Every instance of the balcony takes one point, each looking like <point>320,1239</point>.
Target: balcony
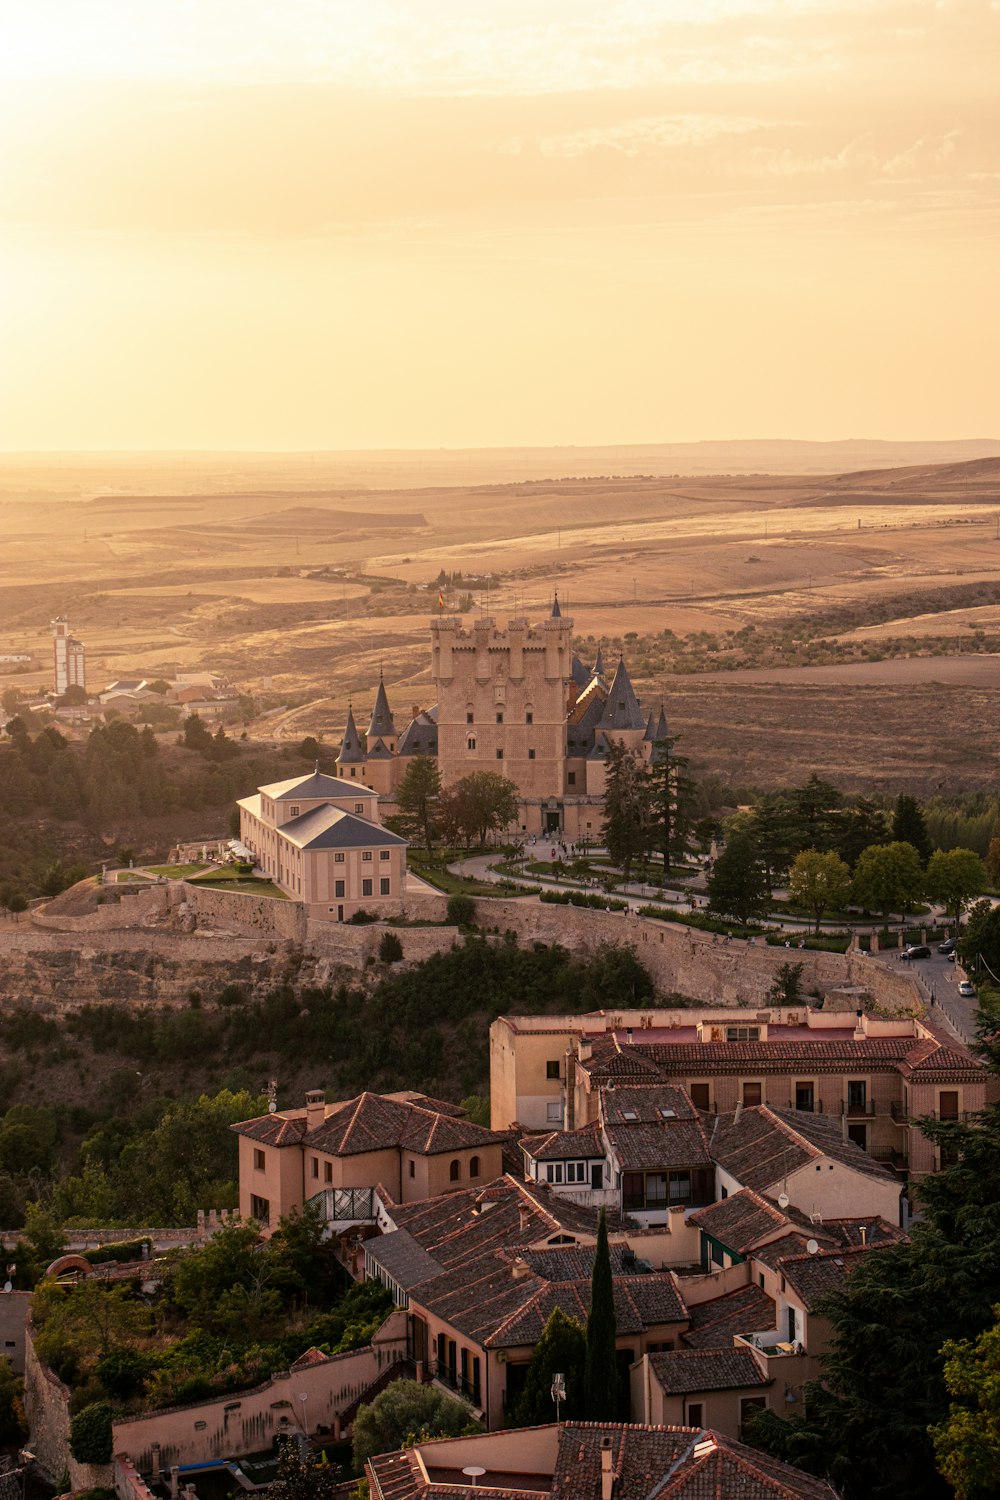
<point>342,1207</point>
<point>771,1345</point>
<point>862,1111</point>
<point>898,1160</point>
<point>469,1390</point>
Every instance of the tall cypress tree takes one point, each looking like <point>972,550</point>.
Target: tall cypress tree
<point>601,1380</point>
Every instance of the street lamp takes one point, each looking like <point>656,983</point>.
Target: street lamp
<point>558,1391</point>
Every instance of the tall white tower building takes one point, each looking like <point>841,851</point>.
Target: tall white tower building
<point>68,658</point>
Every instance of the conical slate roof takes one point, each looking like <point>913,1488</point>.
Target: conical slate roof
<point>659,734</point>
<point>381,726</point>
<point>661,728</point>
<point>581,676</point>
<point>556,611</point>
<point>351,749</point>
<point>650,728</point>
<point>598,664</point>
<point>622,710</point>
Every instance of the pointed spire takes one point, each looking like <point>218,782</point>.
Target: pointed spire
<point>381,726</point>
<point>556,611</point>
<point>599,662</point>
<point>622,711</point>
<point>661,727</point>
<point>351,749</point>
<point>650,734</point>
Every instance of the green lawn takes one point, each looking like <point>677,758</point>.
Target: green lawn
<point>247,885</point>
<point>175,872</point>
<point>441,877</point>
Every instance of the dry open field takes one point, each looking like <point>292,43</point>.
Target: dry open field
<point>301,577</point>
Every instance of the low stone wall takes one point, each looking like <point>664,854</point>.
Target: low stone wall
<point>246,1421</point>
<point>14,1310</point>
<point>240,912</point>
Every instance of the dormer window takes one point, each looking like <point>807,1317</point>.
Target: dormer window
<point>629,1114</point>
<point>293,811</point>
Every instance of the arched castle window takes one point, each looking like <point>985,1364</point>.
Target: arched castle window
<point>471,742</point>
<point>474,1166</point>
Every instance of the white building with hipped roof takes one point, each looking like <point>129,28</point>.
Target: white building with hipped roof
<point>323,844</point>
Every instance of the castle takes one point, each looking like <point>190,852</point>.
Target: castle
<point>517,702</point>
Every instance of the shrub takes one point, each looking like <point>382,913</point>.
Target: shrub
<point>461,911</point>
<point>390,949</point>
<point>362,917</point>
<point>90,1434</point>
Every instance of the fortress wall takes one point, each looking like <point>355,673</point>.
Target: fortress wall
<point>684,960</point>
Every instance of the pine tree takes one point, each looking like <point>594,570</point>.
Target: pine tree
<point>601,1380</point>
<point>670,794</point>
<point>908,827</point>
<point>737,886</point>
<point>626,808</point>
<point>418,793</point>
<point>561,1349</point>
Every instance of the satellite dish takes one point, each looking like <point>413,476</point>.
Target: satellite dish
<point>8,1286</point>
<point>812,1246</point>
<point>783,1200</point>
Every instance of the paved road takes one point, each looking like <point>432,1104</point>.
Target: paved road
<point>938,980</point>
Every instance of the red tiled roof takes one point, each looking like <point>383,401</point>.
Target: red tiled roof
<point>688,1371</point>
<point>778,1055</point>
<point>740,1221</point>
<point>565,1145</point>
<point>816,1276</point>
<point>372,1122</point>
<point>758,1146</point>
<point>715,1324</point>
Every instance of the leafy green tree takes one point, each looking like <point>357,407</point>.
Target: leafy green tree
<point>75,1321</point>
<point>981,939</point>
<point>90,1434</point>
<point>301,1480</point>
<point>403,1412</point>
<point>908,827</point>
<point>737,886</point>
<point>955,877</point>
<point>196,736</point>
<point>479,804</point>
<point>229,1262</point>
<point>669,802</point>
<point>602,1396</point>
<point>561,1349</point>
<point>888,878</point>
<point>993,857</point>
<point>967,1443</point>
<point>819,882</point>
<point>787,986</point>
<point>418,793</point>
<point>477,1109</point>
<point>13,1426</point>
<point>626,807</point>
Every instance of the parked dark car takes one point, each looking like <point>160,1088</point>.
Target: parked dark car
<point>948,946</point>
<point>919,951</point>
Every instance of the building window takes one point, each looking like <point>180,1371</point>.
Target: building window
<point>499,717</point>
<point>857,1097</point>
<point>553,1171</point>
<point>571,781</point>
<point>413,1169</point>
<point>366,887</point>
<point>858,1134</point>
<point>366,854</point>
<point>751,1095</point>
<point>315,1166</point>
<point>531,754</point>
<point>258,1161</point>
<point>455,1171</point>
<point>742,1033</point>
<point>576,1171</point>
<point>553,1114</point>
<point>694,1416</point>
<point>383,887</point>
<point>338,889</point>
<point>383,854</point>
<point>353,771</point>
<point>293,812</point>
<point>338,859</point>
<point>260,1209</point>
<point>529,717</point>
<point>359,807</point>
<point>499,755</point>
<point>473,1166</point>
<point>470,717</point>
<point>471,742</point>
<point>699,1095</point>
<point>552,1068</point>
<point>948,1104</point>
<point>328,1171</point>
<point>804,1097</point>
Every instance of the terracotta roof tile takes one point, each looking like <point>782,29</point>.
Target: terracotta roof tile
<point>565,1145</point>
<point>816,1276</point>
<point>741,1220</point>
<point>715,1324</point>
<point>759,1146</point>
<point>687,1371</point>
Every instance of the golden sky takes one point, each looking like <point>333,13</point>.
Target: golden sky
<point>367,223</point>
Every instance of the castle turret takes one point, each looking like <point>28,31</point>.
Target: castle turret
<point>382,726</point>
<point>598,671</point>
<point>621,711</point>
<point>351,760</point>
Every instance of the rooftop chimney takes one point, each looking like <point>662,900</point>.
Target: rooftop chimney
<point>523,1217</point>
<point>607,1477</point>
<point>315,1108</point>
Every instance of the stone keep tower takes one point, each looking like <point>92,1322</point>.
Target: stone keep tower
<point>502,700</point>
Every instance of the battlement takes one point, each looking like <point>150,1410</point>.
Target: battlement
<point>484,631</point>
